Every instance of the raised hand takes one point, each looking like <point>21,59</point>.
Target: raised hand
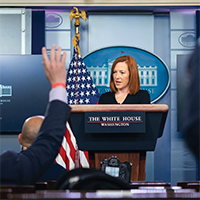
<point>54,67</point>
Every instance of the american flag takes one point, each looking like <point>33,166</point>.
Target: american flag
<point>80,90</point>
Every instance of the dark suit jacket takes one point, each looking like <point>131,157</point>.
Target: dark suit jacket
<point>28,166</point>
<point>53,172</point>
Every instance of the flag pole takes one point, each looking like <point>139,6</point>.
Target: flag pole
<point>74,13</point>
<point>70,156</point>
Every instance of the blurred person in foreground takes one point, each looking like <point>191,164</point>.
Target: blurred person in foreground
<point>26,167</point>
<point>192,118</point>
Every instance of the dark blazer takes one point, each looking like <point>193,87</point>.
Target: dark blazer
<point>28,166</point>
<point>141,97</point>
<point>53,172</point>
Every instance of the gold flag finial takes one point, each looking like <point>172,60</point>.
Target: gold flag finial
<point>74,13</point>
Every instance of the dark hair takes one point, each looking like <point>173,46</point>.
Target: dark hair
<point>134,79</point>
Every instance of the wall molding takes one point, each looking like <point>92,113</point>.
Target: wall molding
<point>99,3</point>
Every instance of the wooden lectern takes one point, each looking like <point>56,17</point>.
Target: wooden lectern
<point>131,146</point>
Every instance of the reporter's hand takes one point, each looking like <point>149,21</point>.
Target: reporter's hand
<point>54,68</point>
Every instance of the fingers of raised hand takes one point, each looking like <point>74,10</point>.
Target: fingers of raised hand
<point>44,54</point>
<point>58,56</point>
<point>55,58</point>
<point>64,57</point>
<point>52,54</point>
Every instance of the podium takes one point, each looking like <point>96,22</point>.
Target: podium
<point>126,131</point>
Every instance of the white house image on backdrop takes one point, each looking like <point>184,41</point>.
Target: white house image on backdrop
<point>5,90</point>
<point>101,74</point>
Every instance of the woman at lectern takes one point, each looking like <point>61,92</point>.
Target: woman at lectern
<point>125,84</point>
